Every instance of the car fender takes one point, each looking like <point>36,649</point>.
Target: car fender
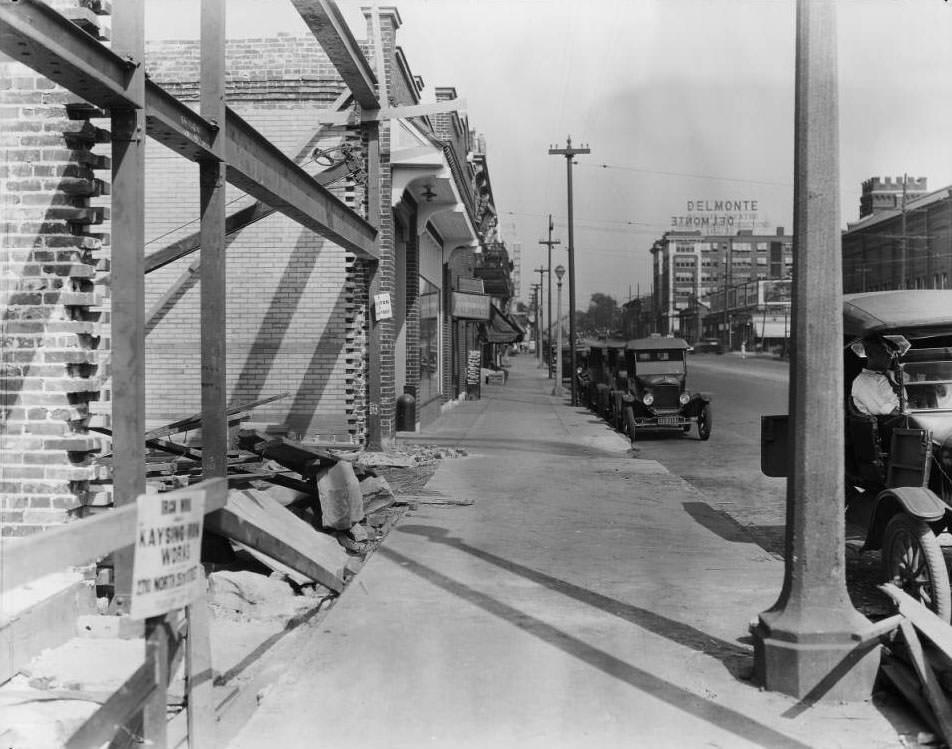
<point>693,407</point>
<point>917,501</point>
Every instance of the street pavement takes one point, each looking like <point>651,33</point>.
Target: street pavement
<point>586,598</point>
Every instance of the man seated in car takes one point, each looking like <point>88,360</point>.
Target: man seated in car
<point>874,391</point>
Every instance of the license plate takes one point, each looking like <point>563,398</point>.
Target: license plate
<point>668,421</point>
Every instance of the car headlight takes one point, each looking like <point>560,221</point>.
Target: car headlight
<point>648,399</point>
<point>684,398</point>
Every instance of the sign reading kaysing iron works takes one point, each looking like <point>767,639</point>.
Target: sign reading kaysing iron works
<point>166,562</point>
<point>469,306</point>
<point>718,216</point>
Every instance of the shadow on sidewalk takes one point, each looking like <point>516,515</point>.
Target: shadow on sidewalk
<point>735,658</point>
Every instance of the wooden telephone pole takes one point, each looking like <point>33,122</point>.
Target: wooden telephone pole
<point>570,153</point>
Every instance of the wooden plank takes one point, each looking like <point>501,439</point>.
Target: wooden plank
<point>260,522</point>
<point>924,620</point>
<point>26,559</point>
<point>327,24</point>
<point>116,711</point>
<point>190,422</point>
<point>879,629</point>
<point>905,681</point>
<point>154,718</point>
<point>934,694</point>
<point>202,723</point>
<point>127,284</point>
<point>273,564</point>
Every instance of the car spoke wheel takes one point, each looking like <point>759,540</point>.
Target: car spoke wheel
<point>913,562</point>
<point>704,423</point>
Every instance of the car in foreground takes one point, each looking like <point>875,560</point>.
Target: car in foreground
<point>898,467</point>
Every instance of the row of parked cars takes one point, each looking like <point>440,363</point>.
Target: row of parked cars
<point>641,385</point>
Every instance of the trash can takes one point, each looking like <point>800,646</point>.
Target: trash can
<point>406,411</point>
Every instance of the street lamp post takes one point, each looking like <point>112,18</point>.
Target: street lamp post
<point>557,387</point>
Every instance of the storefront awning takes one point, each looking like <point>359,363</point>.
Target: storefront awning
<point>500,328</point>
<point>771,329</point>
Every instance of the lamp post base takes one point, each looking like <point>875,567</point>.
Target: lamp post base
<point>813,663</point>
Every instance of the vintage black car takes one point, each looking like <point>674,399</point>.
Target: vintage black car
<point>898,466</point>
<point>654,395</point>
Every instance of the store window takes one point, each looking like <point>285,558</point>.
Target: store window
<point>429,341</point>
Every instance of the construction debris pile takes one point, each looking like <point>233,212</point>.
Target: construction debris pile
<point>281,491</point>
<point>918,662</point>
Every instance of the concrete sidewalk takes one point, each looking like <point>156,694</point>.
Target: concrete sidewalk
<point>586,599</point>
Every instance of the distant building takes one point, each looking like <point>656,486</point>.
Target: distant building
<point>688,267</point>
<point>902,240</point>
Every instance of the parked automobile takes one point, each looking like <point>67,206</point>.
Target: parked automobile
<point>655,395</point>
<point>707,346</point>
<point>898,467</point>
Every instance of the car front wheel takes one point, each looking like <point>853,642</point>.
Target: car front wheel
<point>704,423</point>
<point>913,561</point>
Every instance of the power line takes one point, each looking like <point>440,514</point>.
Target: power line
<point>683,174</point>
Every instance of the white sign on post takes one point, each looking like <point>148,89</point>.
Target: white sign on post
<point>383,309</point>
<point>165,567</point>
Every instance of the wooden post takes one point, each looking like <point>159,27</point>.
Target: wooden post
<point>804,644</point>
<point>127,283</point>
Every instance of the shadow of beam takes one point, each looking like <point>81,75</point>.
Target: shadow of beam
<point>683,634</point>
<point>718,715</point>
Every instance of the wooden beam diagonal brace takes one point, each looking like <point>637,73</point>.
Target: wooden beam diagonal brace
<point>325,21</point>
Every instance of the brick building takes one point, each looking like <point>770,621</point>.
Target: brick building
<point>689,266</point>
<point>903,238</point>
<point>298,306</point>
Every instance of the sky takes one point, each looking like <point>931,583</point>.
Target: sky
<point>678,100</point>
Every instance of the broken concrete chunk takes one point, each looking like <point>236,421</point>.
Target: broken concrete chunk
<point>377,494</point>
<point>340,496</point>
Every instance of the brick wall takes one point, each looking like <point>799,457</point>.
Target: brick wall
<point>54,328</point>
<point>293,318</point>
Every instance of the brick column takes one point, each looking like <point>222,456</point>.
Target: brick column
<point>52,345</point>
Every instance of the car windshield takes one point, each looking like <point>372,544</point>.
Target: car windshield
<point>928,382</point>
<point>668,361</point>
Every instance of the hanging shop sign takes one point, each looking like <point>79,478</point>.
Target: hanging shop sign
<point>469,306</point>
<point>383,309</point>
<point>166,566</point>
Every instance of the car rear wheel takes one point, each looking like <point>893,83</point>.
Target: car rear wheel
<point>704,423</point>
<point>913,561</point>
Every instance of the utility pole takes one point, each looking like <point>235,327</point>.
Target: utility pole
<point>811,644</point>
<point>549,242</point>
<point>538,309</point>
<point>542,359</point>
<point>570,153</point>
<point>902,245</point>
